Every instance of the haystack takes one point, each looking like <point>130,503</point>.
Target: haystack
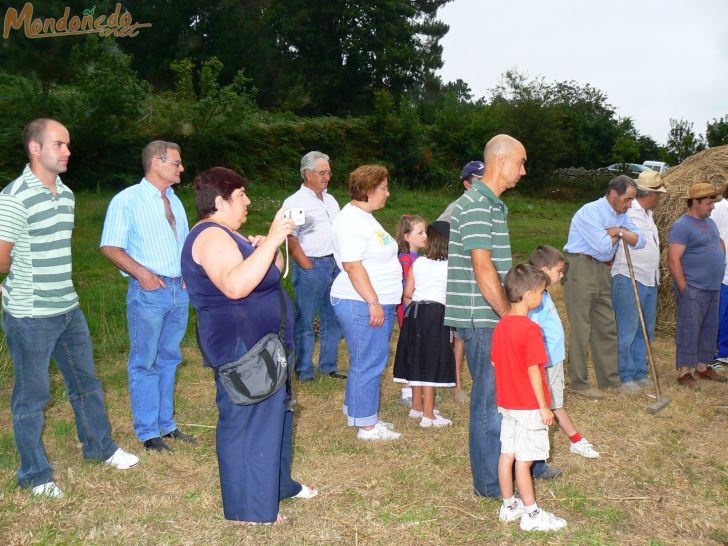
<point>707,166</point>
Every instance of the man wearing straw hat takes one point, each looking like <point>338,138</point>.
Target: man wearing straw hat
<point>632,346</point>
<point>696,258</point>
<point>596,230</point>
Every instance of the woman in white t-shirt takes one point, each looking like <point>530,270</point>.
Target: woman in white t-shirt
<point>364,296</point>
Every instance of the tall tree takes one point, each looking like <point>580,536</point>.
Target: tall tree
<point>337,53</point>
<point>682,142</point>
<point>717,132</point>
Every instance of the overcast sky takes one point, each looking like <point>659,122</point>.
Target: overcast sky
<point>654,59</point>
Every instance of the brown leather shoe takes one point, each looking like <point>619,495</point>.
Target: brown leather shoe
<point>688,381</point>
<point>711,375</point>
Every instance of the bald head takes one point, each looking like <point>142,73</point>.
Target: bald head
<point>505,163</point>
<point>501,145</point>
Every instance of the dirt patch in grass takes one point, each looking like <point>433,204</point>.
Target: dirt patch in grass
<point>661,479</point>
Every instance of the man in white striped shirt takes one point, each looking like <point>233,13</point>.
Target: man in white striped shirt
<point>41,315</point>
<point>144,231</point>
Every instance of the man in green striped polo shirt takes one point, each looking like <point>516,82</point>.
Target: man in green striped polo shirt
<point>41,317</point>
<point>479,256</point>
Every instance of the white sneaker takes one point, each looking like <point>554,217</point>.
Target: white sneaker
<point>718,363</point>
<point>512,512</point>
<point>438,421</point>
<point>418,414</point>
<point>541,520</point>
<point>122,460</point>
<point>584,448</point>
<point>48,489</point>
<point>379,432</point>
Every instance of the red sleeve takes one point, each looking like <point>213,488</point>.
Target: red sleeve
<point>406,260</point>
<point>536,347</point>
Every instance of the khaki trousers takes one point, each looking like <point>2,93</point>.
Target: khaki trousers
<point>588,297</point>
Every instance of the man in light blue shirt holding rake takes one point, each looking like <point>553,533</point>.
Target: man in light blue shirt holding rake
<point>596,230</point>
<point>144,231</point>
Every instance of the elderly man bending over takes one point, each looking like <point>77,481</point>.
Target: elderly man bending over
<point>596,230</point>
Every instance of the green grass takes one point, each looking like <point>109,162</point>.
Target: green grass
<point>102,290</point>
<point>414,491</point>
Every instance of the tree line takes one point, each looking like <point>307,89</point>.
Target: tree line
<point>253,84</point>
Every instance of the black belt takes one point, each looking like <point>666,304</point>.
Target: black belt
<point>321,257</point>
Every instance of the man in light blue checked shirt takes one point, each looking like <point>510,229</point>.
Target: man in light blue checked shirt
<point>144,231</point>
<point>596,230</point>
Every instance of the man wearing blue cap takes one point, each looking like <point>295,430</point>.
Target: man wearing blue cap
<point>471,172</point>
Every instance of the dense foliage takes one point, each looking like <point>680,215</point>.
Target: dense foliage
<point>254,84</point>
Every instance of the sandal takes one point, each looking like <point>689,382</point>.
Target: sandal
<point>306,492</point>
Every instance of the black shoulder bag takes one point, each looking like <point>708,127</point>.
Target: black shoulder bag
<point>262,371</point>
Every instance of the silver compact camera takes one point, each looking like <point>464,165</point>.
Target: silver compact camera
<point>297,215</point>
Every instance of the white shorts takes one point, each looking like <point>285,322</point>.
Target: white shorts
<point>524,434</point>
<point>555,383</point>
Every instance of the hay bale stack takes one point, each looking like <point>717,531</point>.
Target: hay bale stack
<point>707,166</point>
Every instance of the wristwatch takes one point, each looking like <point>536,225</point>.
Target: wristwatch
<point>621,233</point>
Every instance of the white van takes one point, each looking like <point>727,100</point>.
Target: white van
<point>659,166</point>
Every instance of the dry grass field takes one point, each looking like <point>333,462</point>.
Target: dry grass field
<point>661,479</point>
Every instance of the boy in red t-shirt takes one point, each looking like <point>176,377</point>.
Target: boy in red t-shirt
<point>519,355</point>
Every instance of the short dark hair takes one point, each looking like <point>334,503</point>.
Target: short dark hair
<point>690,201</point>
<point>364,179</point>
<point>546,256</point>
<point>620,184</point>
<point>522,278</point>
<point>34,131</point>
<point>214,182</point>
<point>436,244</point>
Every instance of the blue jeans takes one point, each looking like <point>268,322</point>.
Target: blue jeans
<point>723,323</point>
<point>632,348</point>
<point>696,326</point>
<point>32,342</point>
<point>368,354</point>
<point>312,290</point>
<point>157,322</point>
<point>485,421</point>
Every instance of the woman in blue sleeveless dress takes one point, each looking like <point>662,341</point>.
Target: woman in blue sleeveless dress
<point>233,283</point>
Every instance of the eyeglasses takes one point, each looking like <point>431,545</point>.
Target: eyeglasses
<point>175,163</point>
<point>323,173</point>
<point>383,188</point>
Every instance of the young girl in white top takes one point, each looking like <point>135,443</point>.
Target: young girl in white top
<point>411,236</point>
<point>425,357</point>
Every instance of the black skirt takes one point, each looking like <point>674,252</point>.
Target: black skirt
<point>424,354</point>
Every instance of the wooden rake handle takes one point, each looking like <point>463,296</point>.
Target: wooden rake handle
<point>642,319</point>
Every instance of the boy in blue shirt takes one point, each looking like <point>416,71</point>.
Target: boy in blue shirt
<point>551,261</point>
